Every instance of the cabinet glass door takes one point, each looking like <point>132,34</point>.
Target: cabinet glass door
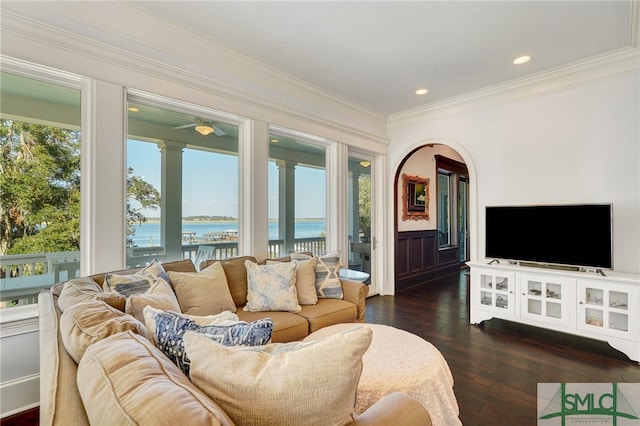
<point>494,291</point>
<point>606,309</point>
<point>545,298</point>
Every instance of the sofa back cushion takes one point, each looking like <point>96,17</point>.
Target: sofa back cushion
<point>184,265</point>
<point>236,274</point>
<point>85,289</point>
<point>89,322</point>
<point>125,380</point>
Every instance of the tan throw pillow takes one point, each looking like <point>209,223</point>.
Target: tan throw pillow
<point>305,280</point>
<point>328,285</point>
<point>271,287</point>
<point>160,296</point>
<point>298,383</point>
<point>124,380</point>
<point>203,293</point>
<point>89,322</point>
<point>136,283</point>
<point>84,289</point>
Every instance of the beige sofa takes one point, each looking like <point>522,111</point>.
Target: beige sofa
<point>130,381</point>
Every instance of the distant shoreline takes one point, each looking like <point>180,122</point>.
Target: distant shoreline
<point>155,220</point>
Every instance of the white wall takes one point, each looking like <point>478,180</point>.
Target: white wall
<point>577,145</point>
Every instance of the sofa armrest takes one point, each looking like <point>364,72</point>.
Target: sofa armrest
<point>356,293</point>
<point>394,409</point>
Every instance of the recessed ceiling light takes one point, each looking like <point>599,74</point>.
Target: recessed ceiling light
<point>133,109</point>
<point>421,92</point>
<point>522,60</point>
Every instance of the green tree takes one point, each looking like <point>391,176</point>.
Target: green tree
<point>364,206</point>
<point>140,195</point>
<point>39,188</point>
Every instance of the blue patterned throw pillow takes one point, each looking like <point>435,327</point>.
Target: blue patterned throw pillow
<point>171,326</point>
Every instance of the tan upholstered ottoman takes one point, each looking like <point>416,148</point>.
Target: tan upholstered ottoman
<point>398,361</point>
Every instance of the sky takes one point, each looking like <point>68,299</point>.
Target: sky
<point>212,188</point>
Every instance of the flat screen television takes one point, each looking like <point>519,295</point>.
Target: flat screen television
<point>576,235</point>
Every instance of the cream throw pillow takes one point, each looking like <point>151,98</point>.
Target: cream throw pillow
<point>305,280</point>
<point>298,383</point>
<point>271,287</point>
<point>203,293</point>
<point>160,296</point>
<point>327,274</point>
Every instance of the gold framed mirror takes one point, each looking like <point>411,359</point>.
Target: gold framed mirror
<point>415,197</point>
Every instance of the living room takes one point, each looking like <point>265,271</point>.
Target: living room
<point>562,136</point>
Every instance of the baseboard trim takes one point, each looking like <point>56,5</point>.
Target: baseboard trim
<point>20,395</point>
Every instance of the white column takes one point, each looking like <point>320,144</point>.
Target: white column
<point>286,204</point>
<point>253,207</point>
<point>337,217</point>
<point>171,199</point>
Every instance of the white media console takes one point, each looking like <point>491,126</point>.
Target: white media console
<point>582,303</point>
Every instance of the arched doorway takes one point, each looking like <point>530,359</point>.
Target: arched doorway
<point>432,199</point>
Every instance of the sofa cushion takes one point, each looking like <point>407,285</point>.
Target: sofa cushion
<point>328,312</point>
<point>287,327</point>
<point>125,380</point>
<point>271,287</point>
<point>305,279</point>
<point>203,293</point>
<point>89,322</point>
<point>84,289</point>
<point>169,328</point>
<point>327,274</point>
<point>160,296</point>
<point>135,283</point>
<point>282,383</point>
<point>236,274</point>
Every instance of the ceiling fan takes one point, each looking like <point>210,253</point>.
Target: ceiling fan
<point>204,128</point>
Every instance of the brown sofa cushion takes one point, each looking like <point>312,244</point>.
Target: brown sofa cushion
<point>236,274</point>
<point>125,380</point>
<point>287,327</point>
<point>89,322</point>
<point>328,312</point>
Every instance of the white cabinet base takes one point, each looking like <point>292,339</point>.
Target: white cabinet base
<point>605,308</point>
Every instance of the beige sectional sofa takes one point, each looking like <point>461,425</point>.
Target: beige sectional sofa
<point>120,377</point>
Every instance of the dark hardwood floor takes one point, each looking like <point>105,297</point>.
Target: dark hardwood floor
<point>497,366</point>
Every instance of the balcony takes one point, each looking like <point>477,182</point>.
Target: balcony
<point>23,276</point>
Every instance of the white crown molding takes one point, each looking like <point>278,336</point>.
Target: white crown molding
<point>222,72</point>
<point>580,73</point>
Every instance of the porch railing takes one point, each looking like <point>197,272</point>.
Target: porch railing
<point>22,276</point>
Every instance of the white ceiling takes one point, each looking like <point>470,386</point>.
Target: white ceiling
<point>377,53</point>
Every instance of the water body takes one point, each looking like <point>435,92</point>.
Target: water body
<point>148,234</point>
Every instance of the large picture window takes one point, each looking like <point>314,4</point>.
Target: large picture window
<point>182,183</point>
<point>40,186</point>
<point>297,194</point>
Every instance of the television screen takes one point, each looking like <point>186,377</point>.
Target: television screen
<point>577,235</point>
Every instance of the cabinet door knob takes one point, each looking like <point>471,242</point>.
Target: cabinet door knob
<point>581,302</point>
